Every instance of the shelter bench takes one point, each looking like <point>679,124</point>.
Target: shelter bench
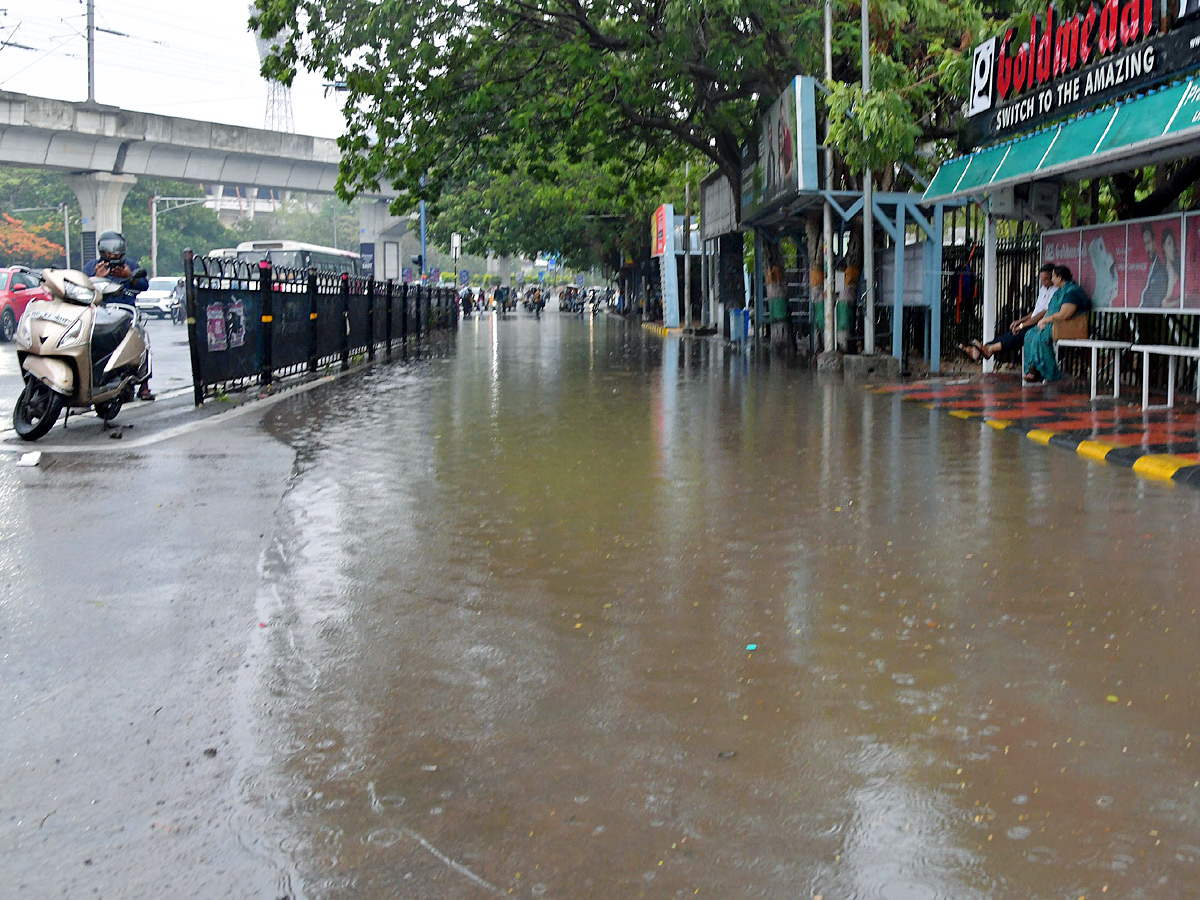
<point>1172,353</point>
<point>1096,346</point>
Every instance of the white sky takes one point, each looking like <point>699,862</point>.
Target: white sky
<point>186,58</point>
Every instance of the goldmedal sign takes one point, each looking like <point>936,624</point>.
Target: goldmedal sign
<point>1062,64</point>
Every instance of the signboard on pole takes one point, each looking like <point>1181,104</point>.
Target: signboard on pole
<point>658,244</point>
<point>456,245</point>
<point>464,277</point>
<point>1062,63</point>
<point>784,161</point>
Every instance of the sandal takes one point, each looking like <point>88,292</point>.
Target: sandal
<point>971,351</point>
<point>1032,377</point>
<point>982,348</point>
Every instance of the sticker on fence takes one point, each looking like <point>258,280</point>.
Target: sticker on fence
<point>217,339</point>
<point>235,323</point>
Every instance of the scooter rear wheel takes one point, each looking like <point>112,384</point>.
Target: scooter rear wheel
<point>37,410</point>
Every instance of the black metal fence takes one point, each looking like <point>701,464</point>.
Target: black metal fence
<point>252,323</point>
<point>1017,263</point>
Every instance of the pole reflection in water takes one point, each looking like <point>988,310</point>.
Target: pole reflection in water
<point>574,613</point>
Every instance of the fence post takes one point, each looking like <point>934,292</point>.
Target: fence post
<point>268,318</point>
<point>404,292</point>
<point>388,327</point>
<point>420,311</point>
<point>189,293</point>
<point>345,321</point>
<point>370,319</point>
<point>312,319</point>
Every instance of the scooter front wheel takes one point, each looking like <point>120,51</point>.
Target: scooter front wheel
<point>37,410</point>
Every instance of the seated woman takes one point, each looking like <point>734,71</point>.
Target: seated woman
<point>1066,315</point>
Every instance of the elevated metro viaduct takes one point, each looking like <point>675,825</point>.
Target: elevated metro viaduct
<point>106,148</point>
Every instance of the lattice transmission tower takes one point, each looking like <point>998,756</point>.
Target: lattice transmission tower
<point>279,97</point>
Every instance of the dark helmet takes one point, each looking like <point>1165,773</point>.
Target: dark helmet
<point>111,246</point>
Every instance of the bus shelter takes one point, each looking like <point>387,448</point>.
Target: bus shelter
<point>1111,89</point>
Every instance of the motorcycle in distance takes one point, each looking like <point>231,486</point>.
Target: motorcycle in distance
<point>74,351</point>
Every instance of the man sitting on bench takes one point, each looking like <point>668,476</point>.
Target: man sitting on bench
<point>1013,338</point>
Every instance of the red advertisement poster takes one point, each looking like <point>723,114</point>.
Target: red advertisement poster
<point>1102,272</point>
<point>1062,249</point>
<point>1155,265</point>
<point>660,232</point>
<point>1191,270</point>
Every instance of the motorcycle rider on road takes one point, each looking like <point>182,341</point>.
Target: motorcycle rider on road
<point>111,263</point>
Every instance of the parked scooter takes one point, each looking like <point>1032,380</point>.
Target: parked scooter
<point>75,351</point>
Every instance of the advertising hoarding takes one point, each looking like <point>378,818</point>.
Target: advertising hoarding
<point>1144,265</point>
<point>783,162</point>
<point>1057,63</point>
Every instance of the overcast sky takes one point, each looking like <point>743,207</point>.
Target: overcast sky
<point>182,58</point>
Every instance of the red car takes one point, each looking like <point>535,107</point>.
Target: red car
<point>17,287</point>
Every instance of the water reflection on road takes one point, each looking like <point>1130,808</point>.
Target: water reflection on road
<point>576,611</point>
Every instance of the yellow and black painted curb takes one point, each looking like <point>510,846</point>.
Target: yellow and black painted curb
<point>659,329</point>
<point>1152,456</point>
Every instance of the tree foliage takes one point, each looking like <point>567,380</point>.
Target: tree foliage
<point>28,244</point>
<point>440,89</point>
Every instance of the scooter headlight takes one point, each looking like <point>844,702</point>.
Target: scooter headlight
<point>73,334</point>
<point>78,292</point>
<point>24,335</point>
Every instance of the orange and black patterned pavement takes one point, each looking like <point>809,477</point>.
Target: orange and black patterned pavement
<point>1157,443</point>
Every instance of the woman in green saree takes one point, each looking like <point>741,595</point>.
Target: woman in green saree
<point>1070,304</point>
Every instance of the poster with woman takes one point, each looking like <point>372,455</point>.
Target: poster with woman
<point>1102,269</point>
<point>1191,244</point>
<point>1155,265</point>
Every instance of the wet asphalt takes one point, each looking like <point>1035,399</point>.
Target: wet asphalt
<point>566,609</point>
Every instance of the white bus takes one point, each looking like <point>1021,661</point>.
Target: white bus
<point>297,255</point>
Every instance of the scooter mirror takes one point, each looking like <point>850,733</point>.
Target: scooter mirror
<point>137,273</point>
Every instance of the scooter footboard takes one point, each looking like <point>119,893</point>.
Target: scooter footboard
<point>55,373</point>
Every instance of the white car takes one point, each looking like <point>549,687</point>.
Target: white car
<point>157,299</point>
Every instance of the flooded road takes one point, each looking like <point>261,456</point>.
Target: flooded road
<point>570,610</point>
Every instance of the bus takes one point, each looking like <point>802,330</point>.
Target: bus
<point>297,255</point>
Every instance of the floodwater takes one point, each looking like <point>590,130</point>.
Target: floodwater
<point>573,610</point>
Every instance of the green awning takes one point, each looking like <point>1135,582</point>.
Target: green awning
<point>1163,124</point>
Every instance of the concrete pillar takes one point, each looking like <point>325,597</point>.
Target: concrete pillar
<point>374,224</point>
<point>101,196</point>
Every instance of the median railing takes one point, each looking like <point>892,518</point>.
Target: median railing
<point>250,323</point>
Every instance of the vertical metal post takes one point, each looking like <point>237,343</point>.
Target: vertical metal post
<point>935,304</point>
<point>868,271</point>
<point>371,319</point>
<point>898,298</point>
<point>312,319</point>
<point>268,318</point>
<point>687,245</point>
<point>420,324</point>
<point>189,299</point>
<point>759,292</point>
<point>827,218</point>
<point>345,321</point>
<point>154,236</point>
<point>67,234</point>
<point>91,50</point>
<point>405,290</point>
<point>388,327</point>
<point>989,286</point>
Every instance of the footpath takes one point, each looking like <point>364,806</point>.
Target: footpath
<point>1157,443</point>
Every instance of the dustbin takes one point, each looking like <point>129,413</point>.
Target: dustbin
<point>739,324</point>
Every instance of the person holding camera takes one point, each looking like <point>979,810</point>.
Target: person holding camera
<point>111,263</point>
